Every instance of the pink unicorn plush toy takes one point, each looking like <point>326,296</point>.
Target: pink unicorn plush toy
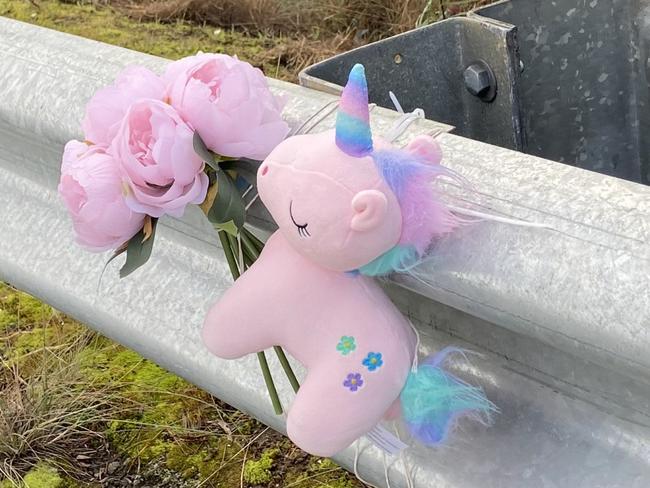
<point>346,211</point>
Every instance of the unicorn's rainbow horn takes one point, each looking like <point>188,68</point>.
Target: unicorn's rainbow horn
<point>353,134</point>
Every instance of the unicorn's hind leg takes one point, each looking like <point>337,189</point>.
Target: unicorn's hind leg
<point>334,407</point>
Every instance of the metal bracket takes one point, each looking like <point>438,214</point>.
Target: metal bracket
<point>571,77</point>
<point>425,68</point>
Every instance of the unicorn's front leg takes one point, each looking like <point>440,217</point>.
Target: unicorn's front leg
<point>242,320</point>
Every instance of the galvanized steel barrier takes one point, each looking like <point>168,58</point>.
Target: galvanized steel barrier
<point>562,315</point>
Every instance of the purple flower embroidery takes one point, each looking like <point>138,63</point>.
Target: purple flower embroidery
<point>353,382</point>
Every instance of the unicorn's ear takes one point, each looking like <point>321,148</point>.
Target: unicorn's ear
<point>353,134</point>
<point>369,207</point>
<point>426,148</point>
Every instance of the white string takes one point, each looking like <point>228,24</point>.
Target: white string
<point>357,454</point>
<point>250,187</point>
<point>320,119</point>
<point>400,125</point>
<point>402,457</point>
<point>320,115</point>
<point>241,254</point>
<point>386,477</point>
<point>434,133</point>
<point>101,275</point>
<point>395,101</point>
<point>332,106</point>
<point>248,205</point>
<point>414,366</point>
<point>496,218</point>
<point>397,129</point>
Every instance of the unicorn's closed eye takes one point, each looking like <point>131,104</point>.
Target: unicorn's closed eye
<point>348,208</point>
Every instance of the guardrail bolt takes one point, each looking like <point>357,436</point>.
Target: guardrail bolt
<point>479,81</point>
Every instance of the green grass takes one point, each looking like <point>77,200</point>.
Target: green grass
<point>171,40</point>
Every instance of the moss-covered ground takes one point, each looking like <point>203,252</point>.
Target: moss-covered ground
<point>135,423</point>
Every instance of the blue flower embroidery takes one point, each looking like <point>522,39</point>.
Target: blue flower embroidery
<point>373,361</point>
<point>346,345</point>
<point>353,382</point>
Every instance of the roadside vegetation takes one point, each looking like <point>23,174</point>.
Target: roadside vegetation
<point>279,36</point>
<point>78,410</point>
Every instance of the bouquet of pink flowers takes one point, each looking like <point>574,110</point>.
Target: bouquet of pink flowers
<point>154,144</point>
<point>138,161</point>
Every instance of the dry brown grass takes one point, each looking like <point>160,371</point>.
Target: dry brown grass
<point>303,31</point>
<point>46,413</point>
<point>288,17</point>
<point>363,19</point>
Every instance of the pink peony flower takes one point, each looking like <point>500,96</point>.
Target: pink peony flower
<point>107,107</point>
<point>228,102</point>
<point>91,188</point>
<point>162,172</point>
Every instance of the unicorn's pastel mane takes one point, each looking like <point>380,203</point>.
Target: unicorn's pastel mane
<point>424,217</point>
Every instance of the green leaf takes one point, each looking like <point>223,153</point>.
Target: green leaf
<point>242,168</point>
<point>228,227</point>
<point>138,251</point>
<point>228,205</point>
<point>202,150</point>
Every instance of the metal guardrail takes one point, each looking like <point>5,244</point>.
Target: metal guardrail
<point>562,315</point>
<point>565,80</point>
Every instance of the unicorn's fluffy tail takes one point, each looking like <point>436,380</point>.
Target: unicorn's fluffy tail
<point>434,399</point>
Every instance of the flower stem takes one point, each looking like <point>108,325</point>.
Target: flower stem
<point>248,244</point>
<point>259,245</point>
<point>230,257</point>
<point>237,250</point>
<point>287,368</point>
<point>261,357</point>
<point>249,255</point>
<point>268,379</point>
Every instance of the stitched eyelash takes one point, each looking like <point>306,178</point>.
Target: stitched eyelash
<point>302,228</point>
